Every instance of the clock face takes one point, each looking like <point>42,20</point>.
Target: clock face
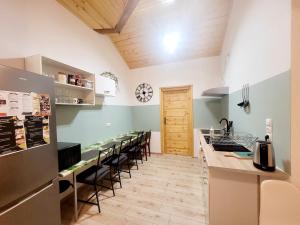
<point>144,92</point>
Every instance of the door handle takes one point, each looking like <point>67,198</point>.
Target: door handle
<point>165,120</point>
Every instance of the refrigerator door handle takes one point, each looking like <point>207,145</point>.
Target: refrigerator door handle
<point>26,199</point>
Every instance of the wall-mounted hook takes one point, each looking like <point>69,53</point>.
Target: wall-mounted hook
<point>245,97</point>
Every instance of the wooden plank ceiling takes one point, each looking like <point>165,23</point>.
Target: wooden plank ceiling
<point>97,14</point>
<point>200,24</point>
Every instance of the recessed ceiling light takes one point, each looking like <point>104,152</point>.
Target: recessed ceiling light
<point>170,41</point>
<point>168,1</point>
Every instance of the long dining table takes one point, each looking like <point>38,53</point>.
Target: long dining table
<point>84,164</point>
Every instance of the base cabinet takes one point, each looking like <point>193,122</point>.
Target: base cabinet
<point>233,198</point>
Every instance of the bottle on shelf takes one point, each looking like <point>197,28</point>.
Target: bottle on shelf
<point>71,79</point>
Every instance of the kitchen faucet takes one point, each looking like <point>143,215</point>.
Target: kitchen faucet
<point>228,125</point>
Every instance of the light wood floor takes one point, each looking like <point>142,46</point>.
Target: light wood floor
<point>166,190</point>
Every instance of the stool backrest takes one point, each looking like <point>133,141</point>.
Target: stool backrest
<point>142,138</point>
<point>148,136</point>
<point>119,151</point>
<point>110,151</point>
<point>280,203</point>
<point>126,145</point>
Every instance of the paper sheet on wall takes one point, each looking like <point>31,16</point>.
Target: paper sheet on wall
<point>36,107</point>
<point>34,131</point>
<point>3,103</point>
<point>45,105</point>
<point>24,120</point>
<point>12,134</point>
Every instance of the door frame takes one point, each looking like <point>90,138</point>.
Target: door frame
<point>189,88</point>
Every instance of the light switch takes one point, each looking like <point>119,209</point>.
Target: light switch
<point>269,128</point>
<point>108,124</point>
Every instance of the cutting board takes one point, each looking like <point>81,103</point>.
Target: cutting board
<point>240,155</point>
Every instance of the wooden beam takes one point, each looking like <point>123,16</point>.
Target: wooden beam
<point>130,6</point>
<point>106,31</point>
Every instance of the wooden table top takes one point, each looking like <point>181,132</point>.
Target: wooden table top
<point>218,160</point>
<point>99,146</point>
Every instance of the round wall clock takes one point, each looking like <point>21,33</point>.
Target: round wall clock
<point>144,92</point>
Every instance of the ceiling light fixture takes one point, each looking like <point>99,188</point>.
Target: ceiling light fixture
<point>171,41</point>
<point>168,1</point>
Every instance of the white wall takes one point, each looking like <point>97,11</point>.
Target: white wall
<point>45,27</point>
<point>201,73</point>
<point>257,43</point>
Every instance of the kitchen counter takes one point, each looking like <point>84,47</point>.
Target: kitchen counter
<point>233,187</point>
<point>218,160</point>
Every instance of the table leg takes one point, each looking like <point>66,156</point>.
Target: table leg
<point>75,197</point>
<point>145,152</point>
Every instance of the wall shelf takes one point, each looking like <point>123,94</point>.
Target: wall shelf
<point>71,86</point>
<point>64,92</point>
<point>72,104</point>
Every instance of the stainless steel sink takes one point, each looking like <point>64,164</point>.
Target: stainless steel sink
<point>216,132</point>
<point>227,144</point>
<point>229,148</point>
<point>240,142</point>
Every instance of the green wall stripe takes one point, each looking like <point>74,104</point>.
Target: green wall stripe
<point>146,117</point>
<point>268,99</point>
<point>86,125</point>
<point>207,113</point>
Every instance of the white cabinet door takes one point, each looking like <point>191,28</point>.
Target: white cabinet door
<point>105,86</point>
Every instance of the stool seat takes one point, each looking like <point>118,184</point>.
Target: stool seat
<point>88,176</point>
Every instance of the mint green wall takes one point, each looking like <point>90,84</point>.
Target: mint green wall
<point>207,113</point>
<point>268,99</point>
<point>146,117</point>
<point>86,125</point>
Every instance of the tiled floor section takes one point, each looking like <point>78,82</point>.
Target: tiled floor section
<point>166,190</point>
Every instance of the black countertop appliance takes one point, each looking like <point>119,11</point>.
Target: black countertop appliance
<point>68,154</point>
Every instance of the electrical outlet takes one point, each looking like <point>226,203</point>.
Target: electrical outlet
<point>108,124</point>
<point>269,128</point>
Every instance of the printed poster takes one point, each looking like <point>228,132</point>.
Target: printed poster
<point>26,100</point>
<point>24,120</point>
<point>15,104</point>
<point>3,104</point>
<point>12,134</point>
<point>36,105</point>
<point>46,130</point>
<point>45,105</point>
<point>34,131</point>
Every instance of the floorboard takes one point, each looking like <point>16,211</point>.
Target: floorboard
<point>166,190</point>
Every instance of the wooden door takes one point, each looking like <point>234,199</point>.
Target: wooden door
<point>177,120</point>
